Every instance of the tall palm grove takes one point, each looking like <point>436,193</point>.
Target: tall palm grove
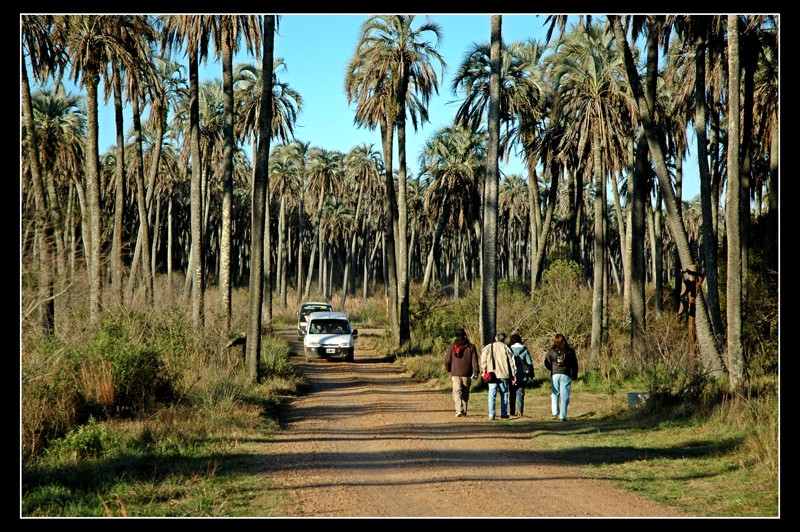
<point>207,184</point>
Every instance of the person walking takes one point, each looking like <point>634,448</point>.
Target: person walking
<point>496,357</point>
<point>524,371</point>
<point>461,362</point>
<point>562,362</point>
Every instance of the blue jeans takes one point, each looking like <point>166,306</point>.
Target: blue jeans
<point>559,394</point>
<point>493,386</point>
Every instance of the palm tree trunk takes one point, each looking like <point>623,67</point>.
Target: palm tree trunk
<point>640,196</point>
<point>750,47</point>
<point>389,229</point>
<point>119,196</point>
<point>42,231</point>
<point>156,237</point>
<point>143,237</point>
<point>733,215</point>
<point>709,241</point>
<point>658,256</point>
<point>535,216</point>
<point>227,171</point>
<point>676,262</point>
<point>433,254</point>
<point>93,197</point>
<point>314,245</point>
<point>266,304</point>
<point>599,245</point>
<point>402,222</point>
<point>196,257</point>
<point>552,195</point>
<point>260,187</point>
<point>349,262</point>
<point>771,242</point>
<point>623,237</point>
<point>490,193</point>
<point>283,244</point>
<point>169,240</point>
<point>299,283</point>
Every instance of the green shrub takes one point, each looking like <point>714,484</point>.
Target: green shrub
<point>275,352</point>
<point>85,441</point>
<point>139,375</point>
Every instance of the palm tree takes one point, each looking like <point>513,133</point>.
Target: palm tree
<point>93,42</point>
<point>284,182</point>
<point>43,54</point>
<point>260,187</point>
<point>513,208</point>
<point>524,97</point>
<point>393,63</point>
<point>362,167</point>
<point>371,90</point>
<point>192,31</point>
<point>227,31</point>
<point>597,106</point>
<point>53,143</point>
<point>711,357</point>
<point>171,84</point>
<point>298,154</point>
<point>698,32</point>
<point>325,171</point>
<point>286,104</point>
<point>454,159</point>
<point>137,34</point>
<point>60,123</point>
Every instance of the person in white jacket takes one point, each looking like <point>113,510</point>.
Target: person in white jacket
<point>498,359</point>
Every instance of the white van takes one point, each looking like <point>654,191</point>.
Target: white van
<point>329,335</point>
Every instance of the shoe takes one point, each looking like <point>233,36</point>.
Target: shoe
<point>461,414</point>
<point>555,416</point>
<point>491,418</point>
<point>563,419</point>
<point>504,417</point>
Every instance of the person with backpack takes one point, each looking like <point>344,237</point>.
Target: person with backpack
<point>524,371</point>
<point>497,361</point>
<point>461,362</point>
<point>562,362</point>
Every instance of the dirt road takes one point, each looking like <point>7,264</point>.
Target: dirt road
<point>369,442</point>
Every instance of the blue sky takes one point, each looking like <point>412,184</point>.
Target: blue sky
<point>316,49</point>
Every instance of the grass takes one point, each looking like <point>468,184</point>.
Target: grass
<point>197,456</point>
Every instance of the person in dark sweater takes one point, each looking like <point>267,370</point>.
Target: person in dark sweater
<point>562,362</point>
<point>461,362</point>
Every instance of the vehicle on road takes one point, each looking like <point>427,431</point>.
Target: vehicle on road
<point>330,336</point>
<point>307,308</point>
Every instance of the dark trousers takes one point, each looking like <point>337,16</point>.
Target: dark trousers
<point>516,399</point>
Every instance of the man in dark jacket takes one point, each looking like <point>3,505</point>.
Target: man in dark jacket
<point>461,361</point>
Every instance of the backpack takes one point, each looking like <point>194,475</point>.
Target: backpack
<point>522,364</point>
<point>528,369</point>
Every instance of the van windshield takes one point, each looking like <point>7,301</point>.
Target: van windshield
<point>331,326</point>
<point>314,308</point>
